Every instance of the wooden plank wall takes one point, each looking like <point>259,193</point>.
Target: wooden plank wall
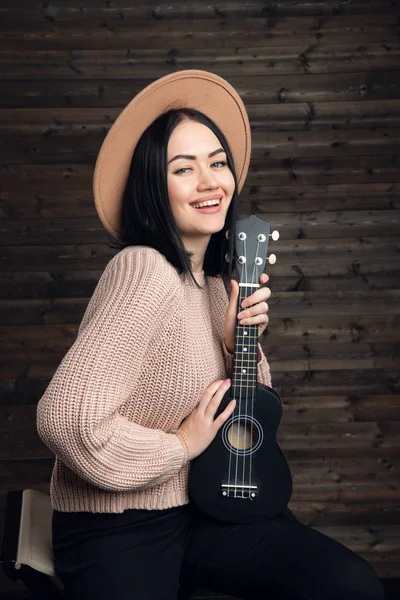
<point>321,84</point>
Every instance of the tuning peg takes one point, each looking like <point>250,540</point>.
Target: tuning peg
<point>274,235</point>
<point>272,259</point>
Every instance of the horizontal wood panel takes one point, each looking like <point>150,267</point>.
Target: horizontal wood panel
<point>106,37</point>
<point>266,193</point>
<point>198,10</point>
<point>356,114</point>
<point>312,382</point>
<point>344,408</point>
<point>340,87</point>
<point>285,60</point>
<point>326,435</point>
<point>282,25</point>
<point>380,201</point>
<point>327,143</point>
<point>263,117</point>
<point>379,539</point>
<point>344,513</point>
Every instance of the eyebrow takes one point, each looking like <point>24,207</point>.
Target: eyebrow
<point>192,157</point>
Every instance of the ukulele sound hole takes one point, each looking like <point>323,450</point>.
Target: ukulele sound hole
<point>242,435</point>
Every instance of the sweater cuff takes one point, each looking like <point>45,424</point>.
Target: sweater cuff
<point>263,371</point>
<point>228,358</point>
<point>182,437</point>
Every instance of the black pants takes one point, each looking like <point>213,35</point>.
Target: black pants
<point>143,555</point>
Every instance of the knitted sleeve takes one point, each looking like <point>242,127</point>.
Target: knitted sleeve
<point>78,416</point>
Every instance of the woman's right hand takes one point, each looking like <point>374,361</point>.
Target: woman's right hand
<point>199,427</point>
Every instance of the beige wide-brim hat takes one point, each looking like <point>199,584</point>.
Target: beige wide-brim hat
<point>191,88</point>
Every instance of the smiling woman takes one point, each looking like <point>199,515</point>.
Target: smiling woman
<point>182,158</point>
<point>194,178</point>
<point>135,399</point>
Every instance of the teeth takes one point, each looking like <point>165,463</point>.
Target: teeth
<point>207,203</point>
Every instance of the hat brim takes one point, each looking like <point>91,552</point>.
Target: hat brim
<point>192,88</point>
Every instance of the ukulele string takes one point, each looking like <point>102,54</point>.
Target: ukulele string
<point>239,414</point>
<point>238,426</point>
<point>239,421</point>
<point>238,417</point>
<point>255,327</point>
<point>248,424</point>
<point>247,387</point>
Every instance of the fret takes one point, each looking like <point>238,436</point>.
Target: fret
<point>246,336</point>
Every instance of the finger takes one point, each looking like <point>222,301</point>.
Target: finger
<point>257,309</point>
<point>208,394</point>
<point>224,416</point>
<point>263,318</point>
<point>258,296</point>
<point>215,401</point>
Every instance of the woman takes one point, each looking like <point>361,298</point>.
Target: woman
<point>134,399</point>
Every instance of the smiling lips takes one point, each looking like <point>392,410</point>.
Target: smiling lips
<point>204,201</point>
<point>207,204</point>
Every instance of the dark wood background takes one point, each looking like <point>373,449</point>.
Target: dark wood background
<point>321,82</point>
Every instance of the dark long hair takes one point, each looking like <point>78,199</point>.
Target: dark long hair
<point>147,218</point>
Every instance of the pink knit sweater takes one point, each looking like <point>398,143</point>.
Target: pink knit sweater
<point>148,345</point>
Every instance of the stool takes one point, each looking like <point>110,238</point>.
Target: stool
<point>26,547</point>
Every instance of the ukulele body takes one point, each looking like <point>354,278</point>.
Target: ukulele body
<point>243,476</point>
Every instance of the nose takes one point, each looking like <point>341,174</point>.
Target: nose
<point>207,179</point>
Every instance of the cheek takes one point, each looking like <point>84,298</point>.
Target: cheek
<point>229,182</point>
<point>180,191</point>
<point>174,190</point>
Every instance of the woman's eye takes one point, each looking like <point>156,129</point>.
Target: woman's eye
<point>219,162</point>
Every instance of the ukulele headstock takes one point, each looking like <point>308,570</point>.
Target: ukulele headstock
<point>250,248</point>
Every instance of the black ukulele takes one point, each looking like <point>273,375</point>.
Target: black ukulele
<point>242,476</point>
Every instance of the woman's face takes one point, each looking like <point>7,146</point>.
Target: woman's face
<point>196,177</point>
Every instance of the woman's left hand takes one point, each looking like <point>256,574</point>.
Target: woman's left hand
<point>253,310</point>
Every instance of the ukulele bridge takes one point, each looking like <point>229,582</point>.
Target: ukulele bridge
<point>230,490</point>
